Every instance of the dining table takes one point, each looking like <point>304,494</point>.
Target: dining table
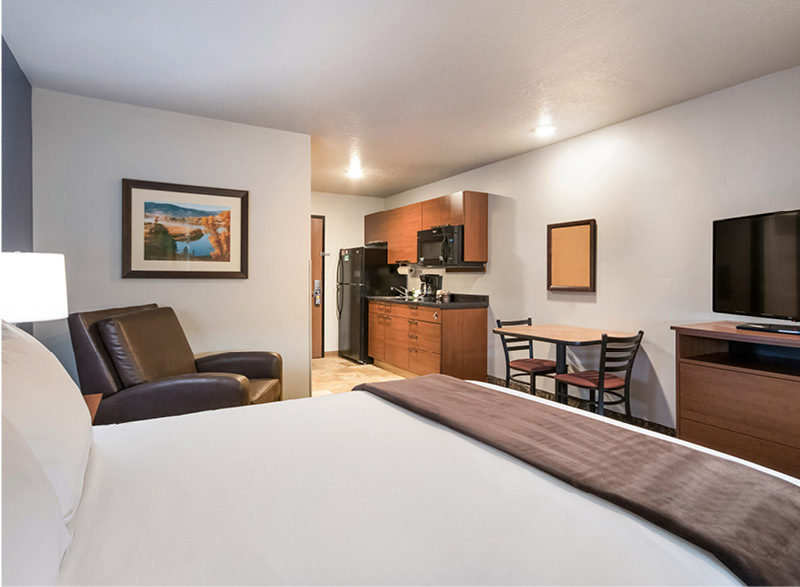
<point>562,336</point>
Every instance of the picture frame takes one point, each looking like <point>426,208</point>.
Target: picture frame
<point>177,231</point>
<point>571,256</point>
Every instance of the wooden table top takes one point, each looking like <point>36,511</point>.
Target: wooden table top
<point>558,333</point>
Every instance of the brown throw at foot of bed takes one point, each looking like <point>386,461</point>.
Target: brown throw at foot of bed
<point>748,519</point>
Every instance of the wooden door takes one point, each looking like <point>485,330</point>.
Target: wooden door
<point>317,286</point>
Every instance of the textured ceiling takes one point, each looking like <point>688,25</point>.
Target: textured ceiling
<point>420,89</point>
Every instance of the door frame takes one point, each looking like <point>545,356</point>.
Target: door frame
<point>322,287</point>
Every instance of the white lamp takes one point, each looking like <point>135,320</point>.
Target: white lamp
<point>33,287</point>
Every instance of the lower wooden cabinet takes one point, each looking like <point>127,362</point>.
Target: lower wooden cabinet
<point>424,340</point>
<point>738,391</point>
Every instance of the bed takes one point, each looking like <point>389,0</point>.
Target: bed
<point>361,491</point>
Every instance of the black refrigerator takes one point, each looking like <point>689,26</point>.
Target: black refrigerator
<point>361,272</point>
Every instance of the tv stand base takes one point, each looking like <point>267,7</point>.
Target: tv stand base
<point>779,328</point>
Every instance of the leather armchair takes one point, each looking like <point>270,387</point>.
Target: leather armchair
<point>139,359</point>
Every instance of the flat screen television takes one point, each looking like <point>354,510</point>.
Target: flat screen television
<point>757,268</point>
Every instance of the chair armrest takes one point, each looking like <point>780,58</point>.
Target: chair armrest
<point>251,364</point>
<point>172,396</point>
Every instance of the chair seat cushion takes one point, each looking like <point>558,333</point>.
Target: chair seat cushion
<point>533,365</point>
<point>591,379</point>
<point>265,390</point>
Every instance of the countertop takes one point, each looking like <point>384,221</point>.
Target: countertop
<point>457,301</point>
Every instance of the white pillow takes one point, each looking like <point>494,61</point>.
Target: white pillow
<point>46,407</point>
<point>34,535</point>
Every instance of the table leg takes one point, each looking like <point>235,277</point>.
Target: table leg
<point>561,367</point>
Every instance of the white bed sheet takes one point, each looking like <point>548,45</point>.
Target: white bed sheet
<point>347,489</point>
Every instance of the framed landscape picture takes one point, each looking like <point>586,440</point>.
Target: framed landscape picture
<point>183,231</point>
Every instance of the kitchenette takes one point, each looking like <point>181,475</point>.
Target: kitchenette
<point>427,329</point>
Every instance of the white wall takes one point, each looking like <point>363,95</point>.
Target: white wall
<point>654,184</point>
<point>82,149</point>
<point>344,227</point>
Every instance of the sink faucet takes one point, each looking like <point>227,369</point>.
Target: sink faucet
<point>402,290</point>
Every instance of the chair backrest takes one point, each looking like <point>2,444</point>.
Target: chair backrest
<point>96,371</point>
<point>147,346</point>
<point>513,343</point>
<point>617,355</point>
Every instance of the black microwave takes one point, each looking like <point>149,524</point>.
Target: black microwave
<point>442,246</point>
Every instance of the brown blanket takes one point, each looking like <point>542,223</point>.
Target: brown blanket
<point>749,520</point>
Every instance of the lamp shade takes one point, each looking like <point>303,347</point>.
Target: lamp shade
<point>33,287</point>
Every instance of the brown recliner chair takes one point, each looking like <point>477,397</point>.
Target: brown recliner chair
<point>139,359</point>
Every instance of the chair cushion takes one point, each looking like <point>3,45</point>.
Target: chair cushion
<point>533,365</point>
<point>265,390</point>
<point>591,379</point>
<point>146,346</point>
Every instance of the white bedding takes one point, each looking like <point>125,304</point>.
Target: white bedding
<point>347,489</point>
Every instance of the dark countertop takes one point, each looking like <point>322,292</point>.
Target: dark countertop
<point>457,301</point>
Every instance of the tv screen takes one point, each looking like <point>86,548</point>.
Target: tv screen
<point>757,265</point>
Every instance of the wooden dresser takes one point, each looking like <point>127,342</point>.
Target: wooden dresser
<point>738,392</point>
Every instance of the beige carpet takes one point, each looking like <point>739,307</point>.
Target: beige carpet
<point>336,375</point>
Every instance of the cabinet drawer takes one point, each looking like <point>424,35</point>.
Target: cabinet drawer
<point>425,336</point>
<point>380,307</point>
<point>760,406</point>
<point>415,312</point>
<point>423,363</point>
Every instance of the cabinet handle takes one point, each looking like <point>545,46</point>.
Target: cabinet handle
<point>412,350</point>
<point>412,322</point>
<point>436,315</point>
<point>414,336</point>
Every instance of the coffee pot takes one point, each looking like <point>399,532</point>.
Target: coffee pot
<point>430,284</point>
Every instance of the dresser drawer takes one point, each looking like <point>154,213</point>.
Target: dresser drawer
<point>741,402</point>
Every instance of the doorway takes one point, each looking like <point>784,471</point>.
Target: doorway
<point>317,287</point>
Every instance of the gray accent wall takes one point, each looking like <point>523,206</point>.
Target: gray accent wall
<point>17,157</point>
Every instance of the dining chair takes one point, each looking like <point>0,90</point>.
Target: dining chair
<point>528,367</point>
<point>616,356</point>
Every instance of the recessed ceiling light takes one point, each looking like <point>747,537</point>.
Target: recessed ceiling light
<point>355,171</point>
<point>546,130</point>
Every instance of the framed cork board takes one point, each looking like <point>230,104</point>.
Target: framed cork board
<point>571,256</point>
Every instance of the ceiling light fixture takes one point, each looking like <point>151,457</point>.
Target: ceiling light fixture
<point>355,171</point>
<point>545,130</point>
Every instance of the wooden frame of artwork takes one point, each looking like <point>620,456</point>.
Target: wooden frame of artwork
<point>183,231</point>
<point>571,256</point>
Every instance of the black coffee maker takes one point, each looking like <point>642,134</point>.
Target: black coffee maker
<point>431,283</point>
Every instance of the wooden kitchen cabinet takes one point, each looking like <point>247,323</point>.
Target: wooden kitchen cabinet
<point>738,392</point>
<point>379,314</point>
<point>376,228</point>
<point>398,227</point>
<point>403,225</point>
<point>443,211</point>
<point>424,339</point>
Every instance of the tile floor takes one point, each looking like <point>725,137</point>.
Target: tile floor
<point>336,375</point>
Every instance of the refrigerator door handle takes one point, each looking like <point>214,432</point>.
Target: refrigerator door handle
<point>339,301</point>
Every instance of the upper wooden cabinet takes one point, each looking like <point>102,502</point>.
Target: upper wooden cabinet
<point>398,227</point>
<point>404,223</point>
<point>442,211</point>
<point>376,228</point>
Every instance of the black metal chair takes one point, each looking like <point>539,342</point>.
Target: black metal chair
<point>529,367</point>
<point>616,356</point>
